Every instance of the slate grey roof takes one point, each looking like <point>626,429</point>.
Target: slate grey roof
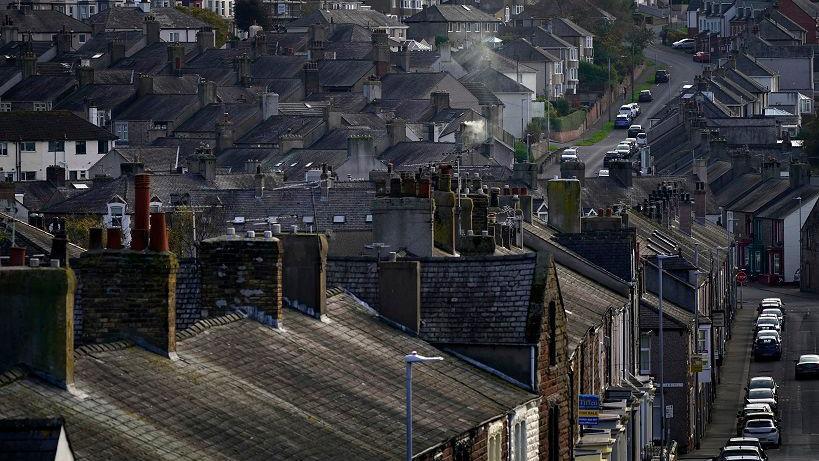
<point>234,159</point>
<point>159,107</point>
<point>134,19</point>
<point>350,33</point>
<point>315,391</point>
<point>411,110</point>
<point>520,49</point>
<point>416,85</point>
<point>748,66</point>
<point>204,120</point>
<point>101,96</point>
<point>564,27</point>
<point>649,314</point>
<point>485,96</point>
<point>497,82</point>
<point>737,188</point>
<point>114,76</point>
<point>265,67</point>
<point>410,155</point>
<point>586,303</point>
<point>269,131</point>
<point>337,139</point>
<point>40,88</point>
<point>296,163</point>
<point>770,30</point>
<point>786,22</point>
<point>786,204</point>
<point>15,48</point>
<point>156,159</point>
<point>43,21</point>
<point>478,57</point>
<point>151,59</point>
<point>364,18</point>
<point>450,13</point>
<point>461,313</point>
<point>343,74</point>
<point>48,126</point>
<point>347,102</point>
<point>99,43</point>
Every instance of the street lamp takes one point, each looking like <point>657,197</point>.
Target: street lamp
<point>663,423</point>
<point>800,238</point>
<point>409,360</point>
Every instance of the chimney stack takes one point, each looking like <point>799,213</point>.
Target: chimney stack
<point>701,169</point>
<point>699,202</point>
<point>224,135</point>
<point>142,209</point>
<point>269,104</point>
<point>572,169</point>
<point>564,205</point>
<point>28,61</point>
<point>685,219</point>
<point>620,170</point>
<point>396,131</point>
<point>372,89</point>
<point>205,39</point>
<point>145,85</point>
<point>151,30</point>
<point>63,39</point>
<point>440,101</point>
<point>206,91</point>
<point>85,75</point>
<point>55,175</point>
<point>798,174</point>
<point>381,53</point>
<point>176,57</point>
<point>444,214</point>
<point>311,78</point>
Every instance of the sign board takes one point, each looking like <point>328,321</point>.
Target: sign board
<point>669,412</point>
<point>588,409</point>
<point>742,277</point>
<point>696,364</point>
<point>718,319</point>
<point>667,385</point>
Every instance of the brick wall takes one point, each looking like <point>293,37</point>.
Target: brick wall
<point>242,274</point>
<point>188,282</point>
<point>124,294</point>
<point>799,16</point>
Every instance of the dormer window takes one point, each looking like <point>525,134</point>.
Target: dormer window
<point>369,218</point>
<point>116,212</point>
<point>308,220</point>
<point>338,219</point>
<point>156,204</point>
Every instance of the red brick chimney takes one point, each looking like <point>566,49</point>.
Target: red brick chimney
<point>699,202</point>
<point>142,196</point>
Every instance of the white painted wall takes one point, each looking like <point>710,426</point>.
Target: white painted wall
<point>791,231</point>
<point>517,112</point>
<point>526,78</point>
<point>42,158</point>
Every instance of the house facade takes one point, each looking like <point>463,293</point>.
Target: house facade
<point>458,24</point>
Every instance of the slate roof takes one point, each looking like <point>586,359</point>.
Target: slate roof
<point>754,200</point>
<point>564,27</point>
<point>681,317</point>
<point>160,107</point>
<point>30,439</point>
<point>586,303</point>
<point>114,76</point>
<point>461,314</point>
<point>100,95</point>
<point>349,50</point>
<point>204,120</point>
<point>48,126</point>
<point>416,85</point>
<point>134,19</point>
<point>282,40</point>
<point>748,66</point>
<point>343,74</point>
<point>410,155</point>
<point>770,30</point>
<point>478,57</point>
<point>155,159</point>
<point>296,163</point>
<point>235,158</point>
<point>15,48</point>
<point>337,139</point>
<point>485,96</point>
<point>99,43</point>
<point>450,13</point>
<point>40,88</point>
<point>265,67</point>
<point>787,204</point>
<point>520,49</point>
<point>271,129</point>
<point>737,188</point>
<point>786,22</point>
<point>43,21</point>
<point>151,59</point>
<point>350,33</point>
<point>411,110</point>
<point>497,82</point>
<point>291,203</point>
<point>364,18</point>
<point>314,390</point>
<point>38,238</point>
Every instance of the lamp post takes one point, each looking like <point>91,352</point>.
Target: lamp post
<point>409,360</point>
<point>800,238</point>
<point>663,423</point>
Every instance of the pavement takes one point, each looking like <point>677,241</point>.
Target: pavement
<point>682,69</point>
<point>798,400</point>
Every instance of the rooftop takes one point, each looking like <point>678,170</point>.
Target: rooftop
<point>48,126</point>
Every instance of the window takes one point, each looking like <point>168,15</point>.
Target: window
<point>518,9</point>
<point>82,38</point>
<point>5,107</point>
<point>457,27</point>
<point>645,353</point>
<point>121,130</point>
<point>40,106</point>
<point>28,146</point>
<point>494,447</point>
<point>174,36</point>
<point>116,212</point>
<point>496,27</point>
<point>554,433</point>
<point>83,174</point>
<point>80,149</point>
<point>102,146</point>
<point>701,342</point>
<point>4,148</point>
<point>338,219</point>
<point>93,9</point>
<point>552,334</point>
<point>72,175</point>
<point>308,220</point>
<point>519,441</point>
<point>28,176</point>
<point>56,146</point>
<point>450,27</point>
<point>588,42</point>
<point>369,218</point>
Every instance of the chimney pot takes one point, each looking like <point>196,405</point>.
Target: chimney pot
<point>34,262</point>
<point>114,238</point>
<point>159,232</point>
<point>250,234</point>
<point>276,228</point>
<point>230,233</point>
<point>268,235</point>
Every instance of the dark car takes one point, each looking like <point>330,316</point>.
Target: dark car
<point>662,76</point>
<point>702,56</point>
<point>807,366</point>
<point>622,121</point>
<point>610,155</point>
<point>645,96</point>
<point>767,347</point>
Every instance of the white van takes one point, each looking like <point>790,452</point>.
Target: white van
<point>642,140</point>
<point>569,155</point>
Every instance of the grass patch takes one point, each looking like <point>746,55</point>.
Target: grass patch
<point>598,135</point>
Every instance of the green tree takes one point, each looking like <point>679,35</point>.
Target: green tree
<point>220,26</point>
<point>77,228</point>
<point>562,107</point>
<point>810,136</point>
<point>249,12</point>
<point>593,77</point>
<point>521,152</point>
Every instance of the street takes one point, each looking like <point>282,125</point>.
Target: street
<point>798,400</point>
<point>682,69</point>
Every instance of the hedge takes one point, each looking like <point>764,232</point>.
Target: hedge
<point>569,122</point>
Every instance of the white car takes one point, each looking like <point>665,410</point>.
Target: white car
<point>642,139</point>
<point>603,173</point>
<point>763,382</point>
<point>627,109</point>
<point>763,429</point>
<point>684,44</point>
<point>773,311</point>
<point>768,323</point>
<point>762,396</point>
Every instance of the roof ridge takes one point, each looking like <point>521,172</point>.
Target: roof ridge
<point>90,349</point>
<point>206,324</point>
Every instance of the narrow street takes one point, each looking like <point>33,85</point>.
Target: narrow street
<point>798,400</point>
<point>682,69</point>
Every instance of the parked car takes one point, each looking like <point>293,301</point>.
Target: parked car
<point>767,345</point>
<point>609,156</point>
<point>662,76</point>
<point>741,450</point>
<point>633,130</point>
<point>645,95</point>
<point>807,366</point>
<point>746,442</point>
<point>604,173</point>
<point>684,44</point>
<point>622,121</point>
<point>762,382</point>
<point>642,139</point>
<point>762,396</point>
<point>767,323</point>
<point>702,56</point>
<point>774,311</point>
<point>769,302</point>
<point>624,149</point>
<point>635,108</point>
<point>764,429</point>
<point>771,316</point>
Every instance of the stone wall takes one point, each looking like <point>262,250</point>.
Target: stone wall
<point>188,283</point>
<point>36,319</point>
<point>122,294</point>
<point>242,274</point>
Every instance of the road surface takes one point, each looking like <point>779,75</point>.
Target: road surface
<point>682,68</point>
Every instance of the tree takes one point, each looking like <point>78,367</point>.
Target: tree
<point>810,135</point>
<point>78,227</point>
<point>593,77</point>
<point>219,25</point>
<point>250,12</point>
<point>521,152</point>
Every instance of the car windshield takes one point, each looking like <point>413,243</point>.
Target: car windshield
<point>767,321</point>
<point>760,423</point>
<point>760,394</point>
<point>809,359</point>
<point>775,312</point>
<point>762,383</point>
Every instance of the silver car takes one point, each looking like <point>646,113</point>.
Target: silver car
<point>763,429</point>
<point>762,396</point>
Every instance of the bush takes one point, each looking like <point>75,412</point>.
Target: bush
<point>569,122</point>
<point>562,107</point>
<point>220,26</point>
<point>521,152</point>
<point>77,228</point>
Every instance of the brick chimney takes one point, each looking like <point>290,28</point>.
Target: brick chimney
<point>205,39</point>
<point>145,85</point>
<point>798,174</point>
<point>116,51</point>
<point>439,100</point>
<point>621,171</point>
<point>564,205</point>
<point>396,131</point>
<point>85,75</point>
<point>686,218</point>
<point>63,39</point>
<point>699,202</point>
<point>28,61</point>
<point>444,214</point>
<point>151,30</point>
<point>142,209</point>
<point>224,135</point>
<point>572,170</point>
<point>381,52</point>
<point>304,263</point>
<point>399,290</point>
<point>311,78</point>
<point>206,91</point>
<point>243,73</point>
<point>55,175</point>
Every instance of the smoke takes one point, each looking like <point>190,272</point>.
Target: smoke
<point>473,132</point>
